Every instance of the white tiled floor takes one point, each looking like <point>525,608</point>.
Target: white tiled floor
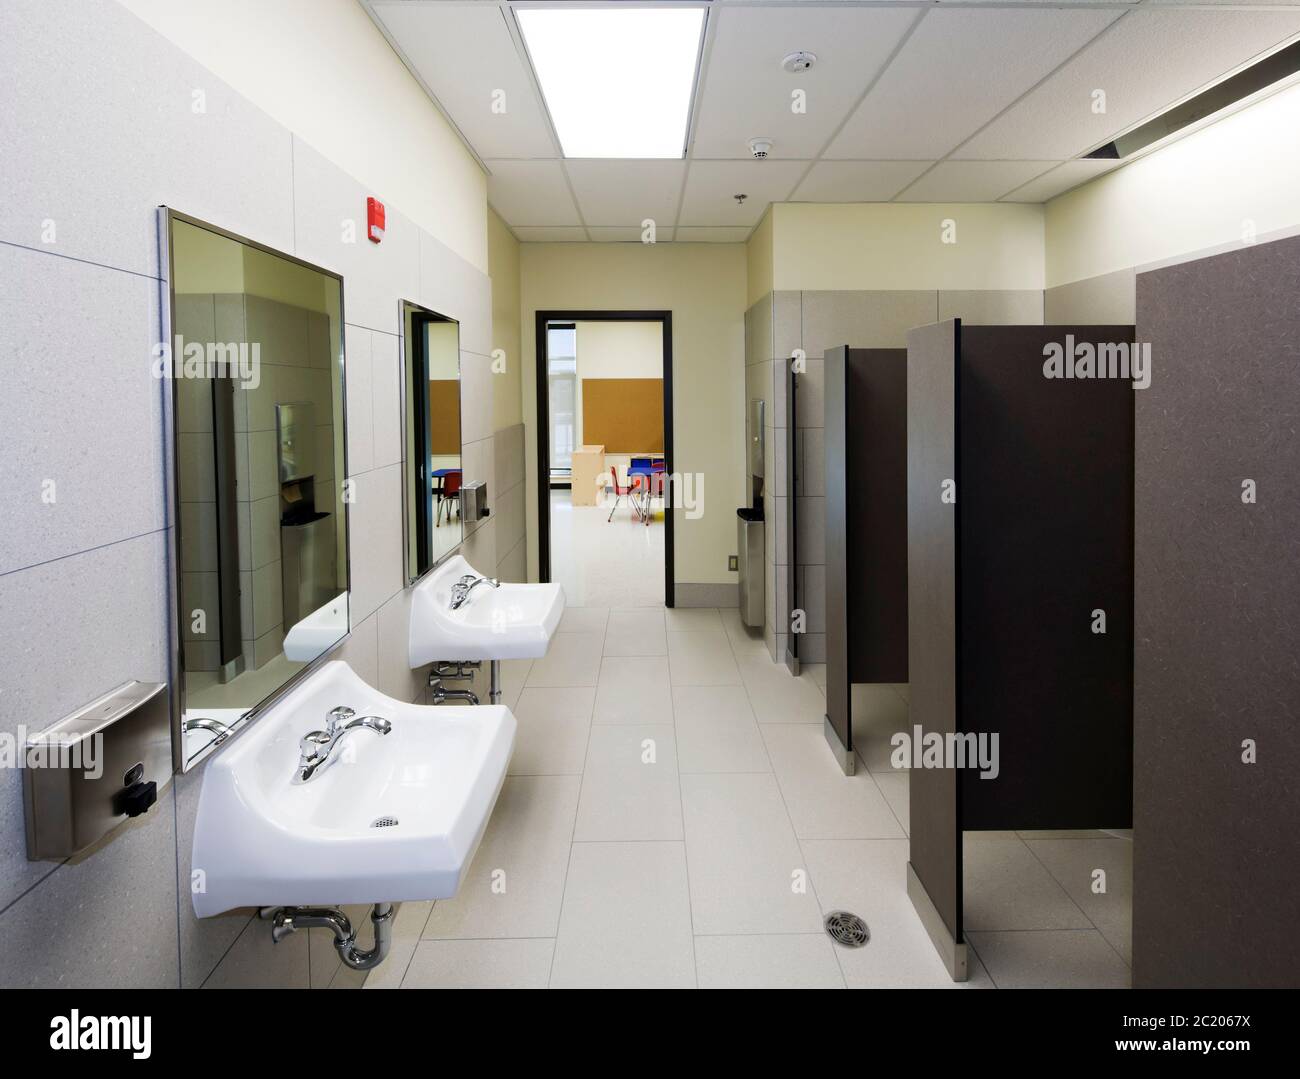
<point>672,817</point>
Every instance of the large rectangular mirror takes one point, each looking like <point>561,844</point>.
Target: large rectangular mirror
<point>255,361</point>
<point>431,422</point>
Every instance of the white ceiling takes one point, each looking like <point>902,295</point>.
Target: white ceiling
<point>910,101</point>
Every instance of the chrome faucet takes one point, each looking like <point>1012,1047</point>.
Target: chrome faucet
<point>461,589</point>
<point>315,747</point>
<point>205,723</point>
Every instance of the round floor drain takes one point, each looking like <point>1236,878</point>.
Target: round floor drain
<point>847,929</point>
<point>383,822</point>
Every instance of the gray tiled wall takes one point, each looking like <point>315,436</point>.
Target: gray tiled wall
<point>817,320</point>
<point>83,578</point>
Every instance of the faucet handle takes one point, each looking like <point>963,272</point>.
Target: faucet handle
<point>311,744</point>
<point>337,717</point>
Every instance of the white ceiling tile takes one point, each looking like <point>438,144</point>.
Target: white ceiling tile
<point>958,71</point>
<point>1147,61</point>
<point>973,181</point>
<point>857,181</point>
<point>711,185</point>
<point>1061,179</point>
<point>628,235</point>
<point>546,235</point>
<point>706,235</point>
<point>747,93</point>
<point>531,193</point>
<point>626,192</point>
<point>465,55</point>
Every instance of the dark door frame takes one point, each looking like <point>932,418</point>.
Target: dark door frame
<point>543,318</point>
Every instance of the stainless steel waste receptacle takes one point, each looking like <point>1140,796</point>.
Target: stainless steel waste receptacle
<point>309,574</point>
<point>753,571</point>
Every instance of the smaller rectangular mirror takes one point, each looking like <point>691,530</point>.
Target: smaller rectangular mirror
<point>431,433</point>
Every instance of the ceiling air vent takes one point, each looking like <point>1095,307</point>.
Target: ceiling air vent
<point>1272,69</point>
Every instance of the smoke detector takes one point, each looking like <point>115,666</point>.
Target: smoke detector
<point>799,61</point>
<point>760,148</point>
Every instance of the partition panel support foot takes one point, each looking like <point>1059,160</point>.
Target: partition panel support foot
<point>950,951</point>
<point>845,758</point>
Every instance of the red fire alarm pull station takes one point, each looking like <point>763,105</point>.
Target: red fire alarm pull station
<point>374,220</point>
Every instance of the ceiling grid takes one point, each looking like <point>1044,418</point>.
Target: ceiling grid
<point>909,100</point>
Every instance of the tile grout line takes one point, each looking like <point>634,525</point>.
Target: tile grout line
<point>681,805</point>
<point>803,857</point>
<point>1100,932</point>
<point>573,830</point>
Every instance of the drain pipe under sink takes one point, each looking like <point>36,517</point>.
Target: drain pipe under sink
<point>286,920</point>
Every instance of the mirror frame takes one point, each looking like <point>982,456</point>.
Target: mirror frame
<point>402,306</point>
<point>167,320</point>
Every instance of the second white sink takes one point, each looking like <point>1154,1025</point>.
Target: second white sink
<point>514,621</point>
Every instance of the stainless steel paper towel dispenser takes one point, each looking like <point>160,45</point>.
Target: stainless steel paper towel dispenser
<point>474,501</point>
<point>90,771</point>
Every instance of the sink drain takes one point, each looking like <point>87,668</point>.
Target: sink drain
<point>847,929</point>
<point>383,822</point>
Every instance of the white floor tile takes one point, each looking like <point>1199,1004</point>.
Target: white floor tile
<point>636,633</point>
<point>716,731</point>
<point>601,563</point>
<point>514,672</point>
<point>702,657</point>
<point>553,728</point>
<point>573,659</point>
<point>746,870</point>
<point>823,802</point>
<point>584,620</point>
<point>777,696</point>
<point>894,786</point>
<point>480,964</point>
<point>626,921</point>
<point>787,961</point>
<point>1075,862</point>
<point>515,884</point>
<point>691,618</point>
<point>1007,888</point>
<point>869,878</point>
<point>744,640</point>
<point>1050,959</point>
<point>629,786</point>
<point>633,689</point>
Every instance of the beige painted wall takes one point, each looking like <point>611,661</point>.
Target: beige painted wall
<point>874,245</point>
<point>759,253</point>
<point>704,285</point>
<point>346,95</point>
<point>1205,191</point>
<point>503,268</point>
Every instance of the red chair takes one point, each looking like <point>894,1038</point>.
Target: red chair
<point>448,492</point>
<point>624,490</point>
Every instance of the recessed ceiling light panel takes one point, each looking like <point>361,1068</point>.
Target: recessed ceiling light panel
<point>617,82</point>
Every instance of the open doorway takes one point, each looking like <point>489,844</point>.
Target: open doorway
<point>605,455</point>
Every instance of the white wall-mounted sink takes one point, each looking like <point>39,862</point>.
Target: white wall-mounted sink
<point>263,838</point>
<point>515,621</point>
<point>318,632</point>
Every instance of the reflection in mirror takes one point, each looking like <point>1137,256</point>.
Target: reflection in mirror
<point>261,544</point>
<point>431,420</point>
